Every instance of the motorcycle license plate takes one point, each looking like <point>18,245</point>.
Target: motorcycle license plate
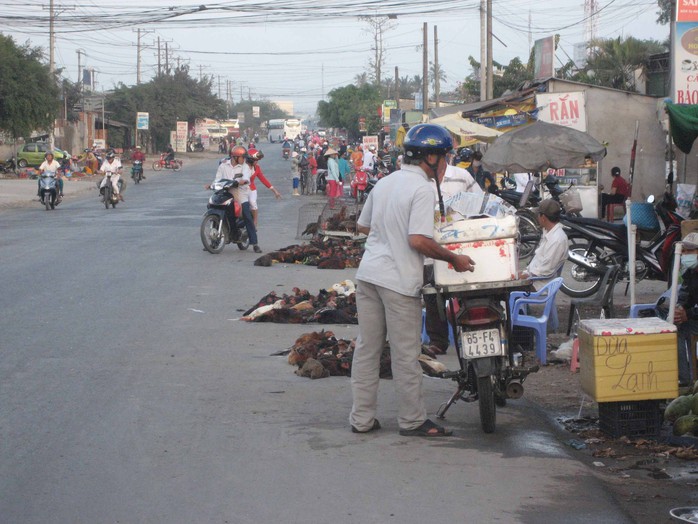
<point>484,343</point>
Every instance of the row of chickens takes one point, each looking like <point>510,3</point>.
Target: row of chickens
<point>329,254</point>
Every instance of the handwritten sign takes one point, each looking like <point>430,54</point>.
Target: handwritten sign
<point>621,367</point>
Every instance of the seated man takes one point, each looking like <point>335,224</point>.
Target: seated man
<point>552,249</point>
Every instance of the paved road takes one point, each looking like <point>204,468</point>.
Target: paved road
<point>130,392</point>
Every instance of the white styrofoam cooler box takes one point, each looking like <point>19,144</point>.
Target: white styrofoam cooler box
<point>468,230</point>
<point>495,260</point>
<point>490,242</point>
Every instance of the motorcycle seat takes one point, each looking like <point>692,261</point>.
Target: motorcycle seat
<point>618,229</point>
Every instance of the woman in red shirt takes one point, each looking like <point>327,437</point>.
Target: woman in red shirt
<point>253,157</point>
<point>620,191</point>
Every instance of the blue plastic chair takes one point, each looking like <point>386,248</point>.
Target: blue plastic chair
<point>518,300</point>
<point>554,321</point>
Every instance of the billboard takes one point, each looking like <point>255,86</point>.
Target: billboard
<point>563,109</point>
<point>686,11</point>
<point>544,54</point>
<point>142,121</point>
<point>181,144</point>
<point>255,111</point>
<point>685,65</point>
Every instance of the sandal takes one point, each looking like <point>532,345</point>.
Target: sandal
<point>376,425</point>
<point>433,351</point>
<point>427,429</point>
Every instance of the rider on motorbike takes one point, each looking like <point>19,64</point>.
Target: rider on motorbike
<point>169,154</point>
<point>139,155</point>
<point>237,169</point>
<point>112,165</point>
<point>286,148</point>
<point>51,165</point>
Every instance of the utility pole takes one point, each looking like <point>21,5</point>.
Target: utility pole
<point>159,70</point>
<point>490,72</point>
<point>483,50</point>
<point>52,39</point>
<point>219,86</point>
<point>138,59</point>
<point>397,89</point>
<point>80,52</point>
<point>322,77</point>
<point>437,85</point>
<point>201,72</point>
<point>167,60</point>
<point>425,71</point>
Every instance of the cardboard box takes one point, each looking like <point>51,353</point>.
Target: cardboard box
<point>628,359</point>
<point>688,226</point>
<point>495,260</point>
<point>469,230</point>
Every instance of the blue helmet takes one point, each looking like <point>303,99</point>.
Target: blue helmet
<point>427,139</point>
<point>464,154</point>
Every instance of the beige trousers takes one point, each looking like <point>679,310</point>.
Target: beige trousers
<point>382,313</point>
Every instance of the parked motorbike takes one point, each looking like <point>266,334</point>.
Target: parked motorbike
<point>175,164</point>
<point>321,180</point>
<point>137,171</point>
<point>9,166</point>
<point>223,222</point>
<point>596,244</point>
<point>359,185</point>
<point>491,371</point>
<point>48,190</point>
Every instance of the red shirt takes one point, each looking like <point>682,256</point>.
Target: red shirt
<point>622,187</point>
<point>138,155</point>
<point>258,174</point>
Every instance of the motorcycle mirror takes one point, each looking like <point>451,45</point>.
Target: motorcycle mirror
<point>650,199</point>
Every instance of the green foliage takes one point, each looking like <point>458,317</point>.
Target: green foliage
<point>345,106</point>
<point>613,62</point>
<point>28,91</point>
<point>512,77</point>
<point>167,98</point>
<point>664,13</point>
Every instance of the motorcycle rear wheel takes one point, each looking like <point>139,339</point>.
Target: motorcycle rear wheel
<point>209,234</point>
<point>530,233</point>
<point>244,241</point>
<point>176,165</point>
<point>488,409</point>
<point>157,166</point>
<point>579,282</point>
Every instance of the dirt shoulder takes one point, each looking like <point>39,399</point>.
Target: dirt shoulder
<point>648,477</point>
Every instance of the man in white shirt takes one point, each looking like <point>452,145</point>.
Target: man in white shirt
<point>237,169</point>
<point>112,165</point>
<point>551,252</point>
<point>51,164</point>
<point>369,159</point>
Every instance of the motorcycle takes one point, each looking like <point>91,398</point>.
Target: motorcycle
<point>109,197</point>
<point>359,185</point>
<point>596,244</point>
<point>175,164</point>
<point>321,183</point>
<point>48,190</point>
<point>285,153</point>
<point>216,228</point>
<point>9,166</point>
<point>490,371</point>
<point>137,171</point>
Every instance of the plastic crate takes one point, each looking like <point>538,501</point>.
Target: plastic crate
<point>522,339</point>
<point>630,418</point>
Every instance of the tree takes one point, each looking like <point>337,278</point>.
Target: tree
<point>28,91</point>
<point>168,98</point>
<point>613,62</point>
<point>349,103</point>
<point>377,26</point>
<point>664,13</point>
<point>267,110</point>
<point>513,75</point>
<point>436,70</point>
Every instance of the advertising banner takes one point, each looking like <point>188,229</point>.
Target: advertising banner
<point>241,118</point>
<point>255,111</point>
<point>685,66</point>
<point>563,109</point>
<point>142,121</point>
<point>544,54</point>
<point>173,138</point>
<point>370,140</point>
<point>181,144</point>
<point>687,11</point>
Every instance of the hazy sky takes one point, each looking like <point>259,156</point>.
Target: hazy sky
<point>266,54</point>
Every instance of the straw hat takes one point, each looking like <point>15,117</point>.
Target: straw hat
<point>330,151</point>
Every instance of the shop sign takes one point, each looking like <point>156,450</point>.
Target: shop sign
<point>563,109</point>
<point>687,11</point>
<point>685,66</point>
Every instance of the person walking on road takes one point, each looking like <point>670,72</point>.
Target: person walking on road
<point>333,183</point>
<point>398,218</point>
